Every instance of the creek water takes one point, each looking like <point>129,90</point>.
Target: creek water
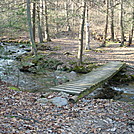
<point>128,91</point>
<point>10,73</point>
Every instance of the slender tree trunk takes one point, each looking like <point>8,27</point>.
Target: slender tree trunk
<point>132,28</point>
<point>47,36</point>
<point>42,19</point>
<point>106,26</point>
<point>87,47</point>
<point>34,16</point>
<point>67,15</point>
<point>112,19</point>
<point>39,26</point>
<point>57,16</point>
<point>121,24</point>
<point>80,51</point>
<point>34,49</point>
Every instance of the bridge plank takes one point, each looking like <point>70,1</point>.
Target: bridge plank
<point>90,81</point>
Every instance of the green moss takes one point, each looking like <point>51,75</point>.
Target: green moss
<point>14,88</point>
<point>72,62</point>
<point>39,63</point>
<point>83,68</point>
<point>122,78</point>
<point>132,76</point>
<point>56,48</point>
<point>55,53</point>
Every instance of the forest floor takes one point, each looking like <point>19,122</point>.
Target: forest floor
<point>97,54</point>
<point>21,113</point>
<point>67,49</point>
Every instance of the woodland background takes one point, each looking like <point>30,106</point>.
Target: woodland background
<point>110,19</point>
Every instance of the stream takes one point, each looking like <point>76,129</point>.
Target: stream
<point>10,73</point>
<point>128,91</point>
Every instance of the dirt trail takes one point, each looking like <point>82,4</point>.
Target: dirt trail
<point>113,52</point>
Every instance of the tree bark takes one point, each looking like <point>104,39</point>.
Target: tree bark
<point>42,19</point>
<point>112,19</point>
<point>34,49</point>
<point>67,15</point>
<point>87,47</point>
<point>34,16</point>
<point>80,51</point>
<point>106,26</point>
<point>132,28</point>
<point>121,24</point>
<point>47,36</point>
<point>39,25</point>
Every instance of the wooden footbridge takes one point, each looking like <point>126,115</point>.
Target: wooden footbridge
<point>90,81</point>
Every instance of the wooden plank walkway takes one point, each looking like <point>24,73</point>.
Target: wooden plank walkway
<point>90,81</point>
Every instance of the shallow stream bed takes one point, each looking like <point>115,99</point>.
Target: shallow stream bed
<point>128,91</point>
<point>10,72</point>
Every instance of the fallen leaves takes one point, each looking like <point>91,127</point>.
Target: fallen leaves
<point>20,113</point>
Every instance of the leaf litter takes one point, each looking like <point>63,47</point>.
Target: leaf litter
<point>21,113</point>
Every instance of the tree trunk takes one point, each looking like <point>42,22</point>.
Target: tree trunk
<point>67,15</point>
<point>112,19</point>
<point>121,24</point>
<point>39,27</point>
<point>34,49</point>
<point>34,16</point>
<point>87,47</point>
<point>47,36</point>
<point>80,51</point>
<point>132,28</point>
<point>106,26</point>
<point>42,20</point>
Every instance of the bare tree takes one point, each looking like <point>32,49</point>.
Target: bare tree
<point>121,23</point>
<point>112,19</point>
<point>34,17</point>
<point>47,36</point>
<point>106,25</point>
<point>39,24</point>
<point>34,49</point>
<point>87,46</point>
<point>67,15</point>
<point>132,28</point>
<point>80,51</point>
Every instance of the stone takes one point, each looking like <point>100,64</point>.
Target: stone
<point>59,101</point>
<point>42,100</point>
<point>63,94</point>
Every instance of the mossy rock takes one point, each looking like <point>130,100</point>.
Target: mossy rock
<point>122,78</point>
<point>83,69</point>
<point>40,63</point>
<point>42,46</point>
<point>132,76</point>
<point>38,58</point>
<point>50,63</point>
